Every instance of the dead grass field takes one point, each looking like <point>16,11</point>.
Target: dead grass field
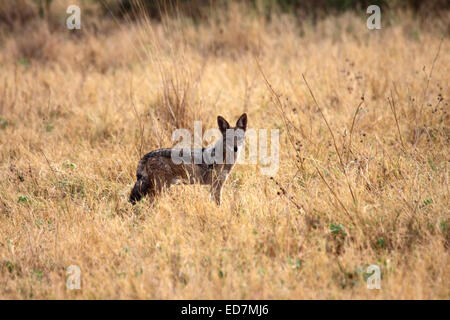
<point>79,109</point>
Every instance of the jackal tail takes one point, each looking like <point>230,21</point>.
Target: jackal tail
<point>140,189</point>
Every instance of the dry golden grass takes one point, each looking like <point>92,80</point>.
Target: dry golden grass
<point>370,189</point>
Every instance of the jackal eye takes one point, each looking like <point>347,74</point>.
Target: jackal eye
<point>235,148</point>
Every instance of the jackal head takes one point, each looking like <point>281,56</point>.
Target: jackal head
<point>233,138</point>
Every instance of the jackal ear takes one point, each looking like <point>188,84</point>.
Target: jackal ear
<point>223,124</point>
<point>242,122</point>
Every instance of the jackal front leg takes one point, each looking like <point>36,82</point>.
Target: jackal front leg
<point>217,186</point>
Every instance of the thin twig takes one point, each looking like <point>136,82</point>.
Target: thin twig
<point>351,129</point>
<point>326,122</point>
<point>279,106</point>
<point>334,140</point>
<point>335,195</point>
<point>141,124</point>
<point>429,76</point>
<point>286,193</point>
<point>50,166</point>
<point>392,105</point>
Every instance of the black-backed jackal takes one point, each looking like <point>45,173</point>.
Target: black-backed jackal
<point>209,166</point>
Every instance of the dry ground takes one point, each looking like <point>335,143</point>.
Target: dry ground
<point>79,109</point>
